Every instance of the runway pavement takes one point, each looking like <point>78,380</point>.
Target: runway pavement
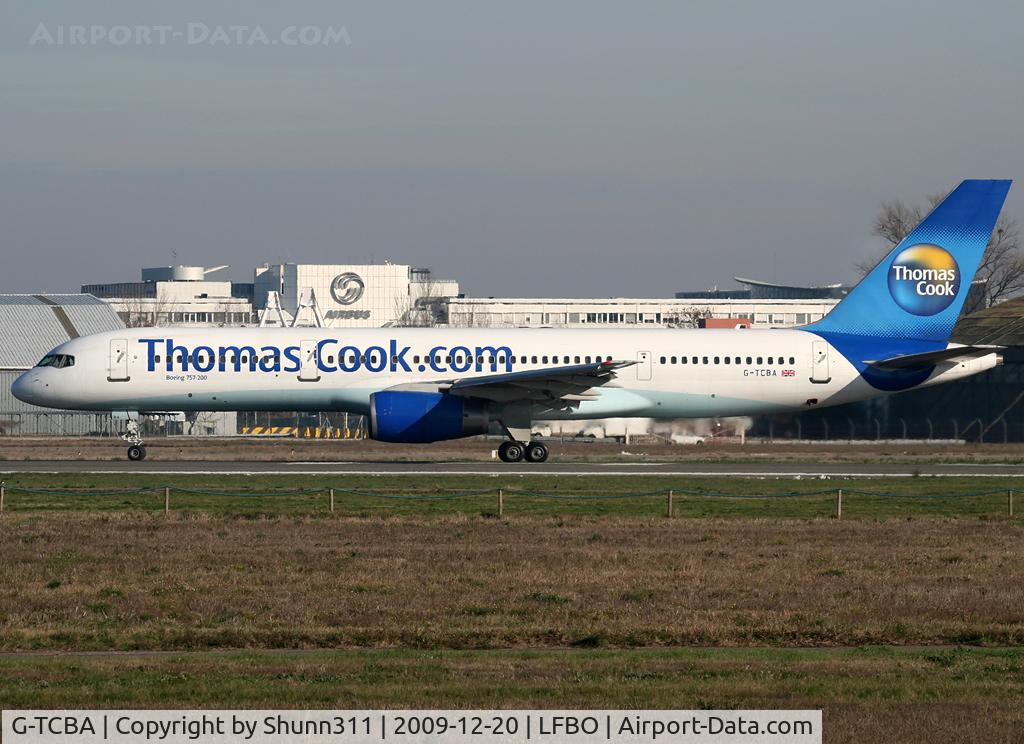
<point>739,469</point>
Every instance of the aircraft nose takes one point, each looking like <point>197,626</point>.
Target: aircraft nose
<point>26,387</point>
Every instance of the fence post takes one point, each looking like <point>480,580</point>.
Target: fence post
<point>332,501</point>
<point>501,503</point>
<point>839,504</point>
<point>167,499</point>
<point>1009,502</point>
<point>3,493</point>
<point>668,511</point>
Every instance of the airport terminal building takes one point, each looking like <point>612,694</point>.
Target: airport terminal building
<point>379,295</point>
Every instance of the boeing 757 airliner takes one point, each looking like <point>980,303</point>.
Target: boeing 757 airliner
<point>889,334</point>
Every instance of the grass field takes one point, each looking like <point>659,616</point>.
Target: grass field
<point>82,581</point>
<point>264,598</point>
<point>523,495</point>
<point>869,694</point>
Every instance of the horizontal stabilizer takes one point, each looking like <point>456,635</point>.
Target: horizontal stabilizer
<point>928,358</point>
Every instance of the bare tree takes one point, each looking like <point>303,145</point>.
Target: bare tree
<point>419,308</point>
<point>688,317</point>
<point>1001,269</point>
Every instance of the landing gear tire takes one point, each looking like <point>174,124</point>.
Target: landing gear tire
<point>536,452</point>
<point>136,452</point>
<point>511,451</point>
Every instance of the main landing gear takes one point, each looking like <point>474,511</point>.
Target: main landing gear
<point>514,451</point>
<point>136,450</point>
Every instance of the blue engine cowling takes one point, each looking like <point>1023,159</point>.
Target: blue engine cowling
<point>410,416</point>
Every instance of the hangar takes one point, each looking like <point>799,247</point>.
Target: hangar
<point>30,326</point>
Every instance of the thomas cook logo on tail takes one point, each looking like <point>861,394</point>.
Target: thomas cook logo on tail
<point>924,279</point>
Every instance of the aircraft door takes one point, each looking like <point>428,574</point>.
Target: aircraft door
<point>819,362</point>
<point>309,370</point>
<point>118,364</point>
<point>643,365</point>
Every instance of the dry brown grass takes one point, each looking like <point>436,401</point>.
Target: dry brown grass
<point>112,581</point>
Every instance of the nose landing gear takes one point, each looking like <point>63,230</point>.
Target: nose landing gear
<point>132,435</point>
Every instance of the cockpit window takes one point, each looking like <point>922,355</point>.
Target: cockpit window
<point>57,360</point>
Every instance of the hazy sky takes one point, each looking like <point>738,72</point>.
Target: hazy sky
<point>525,148</point>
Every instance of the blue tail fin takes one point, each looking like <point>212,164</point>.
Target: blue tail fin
<point>918,289</point>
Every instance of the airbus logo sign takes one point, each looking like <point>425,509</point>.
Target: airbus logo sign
<point>347,288</point>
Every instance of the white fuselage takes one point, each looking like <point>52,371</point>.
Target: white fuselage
<point>725,372</point>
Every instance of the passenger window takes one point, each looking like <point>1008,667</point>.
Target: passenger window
<point>749,360</point>
<point>682,360</point>
<point>534,360</point>
<point>673,360</point>
<point>587,360</point>
<point>771,360</point>
<point>157,359</point>
<point>544,359</point>
<point>662,360</point>
<point>760,360</point>
<point>727,360</point>
<point>415,359</point>
<point>705,360</point>
<point>738,360</point>
<point>792,360</point>
<point>694,360</point>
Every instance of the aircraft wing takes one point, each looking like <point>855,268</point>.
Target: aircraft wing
<point>558,386</point>
<point>927,358</point>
